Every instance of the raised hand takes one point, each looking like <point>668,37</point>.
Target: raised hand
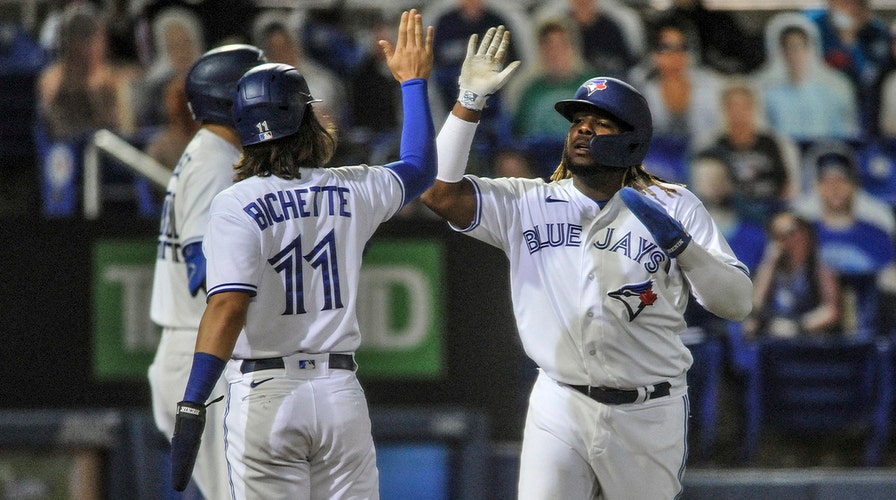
<point>411,56</point>
<point>481,74</point>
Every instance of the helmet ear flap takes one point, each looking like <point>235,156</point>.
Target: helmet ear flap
<point>621,150</point>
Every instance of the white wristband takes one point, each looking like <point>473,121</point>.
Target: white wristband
<point>453,146</point>
<point>471,100</point>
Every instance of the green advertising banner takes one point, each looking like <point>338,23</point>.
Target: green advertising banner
<point>400,309</point>
<point>125,339</point>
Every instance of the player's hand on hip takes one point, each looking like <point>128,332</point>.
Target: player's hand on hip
<point>483,72</point>
<point>411,56</point>
<point>668,232</point>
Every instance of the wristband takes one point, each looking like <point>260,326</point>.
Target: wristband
<point>206,370</point>
<point>453,148</point>
<point>471,100</point>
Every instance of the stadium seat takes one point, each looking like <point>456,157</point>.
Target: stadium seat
<point>815,388</point>
<point>704,383</point>
<point>877,169</point>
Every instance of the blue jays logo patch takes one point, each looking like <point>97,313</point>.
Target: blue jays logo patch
<point>595,85</point>
<point>635,297</point>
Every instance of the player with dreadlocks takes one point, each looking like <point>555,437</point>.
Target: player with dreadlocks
<point>602,261</point>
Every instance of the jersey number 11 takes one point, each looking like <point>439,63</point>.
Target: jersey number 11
<point>289,263</point>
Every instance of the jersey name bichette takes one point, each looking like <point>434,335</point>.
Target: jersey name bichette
<point>260,242</point>
<point>297,203</point>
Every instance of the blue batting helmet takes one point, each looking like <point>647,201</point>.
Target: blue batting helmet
<point>625,104</point>
<point>211,82</point>
<point>270,102</point>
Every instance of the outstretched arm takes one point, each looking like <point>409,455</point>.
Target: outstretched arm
<point>482,74</point>
<point>410,61</point>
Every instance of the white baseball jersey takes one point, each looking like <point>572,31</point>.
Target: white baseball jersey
<point>296,246</point>
<point>204,170</point>
<point>597,302</point>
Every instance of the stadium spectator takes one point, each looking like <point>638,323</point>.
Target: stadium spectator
<point>454,26</point>
<point>724,45</point>
<point>794,292</point>
<point>712,179</point>
<point>765,165</point>
<point>81,90</point>
<point>856,248</point>
<point>327,38</point>
<point>177,42</point>
<point>604,41</point>
<point>683,95</point>
<point>886,93</point>
<point>375,123</point>
<point>855,42</point>
<point>865,206</point>
<point>560,70</point>
<point>223,21</point>
<point>804,98</point>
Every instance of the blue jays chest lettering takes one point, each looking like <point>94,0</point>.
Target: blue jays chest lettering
<point>645,252</point>
<point>553,235</point>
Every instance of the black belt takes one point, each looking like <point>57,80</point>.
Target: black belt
<point>620,396</point>
<point>338,361</point>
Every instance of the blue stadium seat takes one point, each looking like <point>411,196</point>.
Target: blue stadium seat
<point>704,385</point>
<point>877,169</point>
<point>821,387</point>
<point>743,358</point>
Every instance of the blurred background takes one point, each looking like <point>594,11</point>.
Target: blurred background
<point>779,114</point>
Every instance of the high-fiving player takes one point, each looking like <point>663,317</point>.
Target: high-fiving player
<point>602,260</point>
<point>178,301</point>
<point>284,248</point>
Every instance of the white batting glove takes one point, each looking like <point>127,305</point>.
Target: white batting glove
<point>481,74</point>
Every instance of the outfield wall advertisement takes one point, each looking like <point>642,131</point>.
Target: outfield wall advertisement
<point>401,309</point>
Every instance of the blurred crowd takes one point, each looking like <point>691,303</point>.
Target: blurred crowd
<point>783,122</point>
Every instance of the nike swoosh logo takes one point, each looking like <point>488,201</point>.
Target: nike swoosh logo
<point>256,383</point>
<point>551,199</point>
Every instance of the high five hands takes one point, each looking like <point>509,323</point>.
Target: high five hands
<point>411,56</point>
<point>481,74</point>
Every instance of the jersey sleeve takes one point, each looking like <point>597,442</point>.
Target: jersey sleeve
<point>232,247</point>
<point>379,189</point>
<point>699,224</point>
<point>417,167</point>
<point>497,210</point>
<point>201,184</point>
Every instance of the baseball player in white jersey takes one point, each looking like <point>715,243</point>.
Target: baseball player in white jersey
<point>602,260</point>
<point>204,169</point>
<point>284,248</point>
